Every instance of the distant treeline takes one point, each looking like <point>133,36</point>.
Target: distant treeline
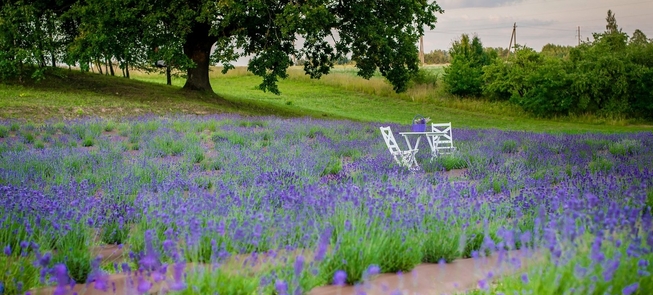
<point>609,76</point>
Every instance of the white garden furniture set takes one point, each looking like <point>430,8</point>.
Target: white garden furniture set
<point>439,139</point>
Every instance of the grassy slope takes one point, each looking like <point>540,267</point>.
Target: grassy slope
<point>80,95</point>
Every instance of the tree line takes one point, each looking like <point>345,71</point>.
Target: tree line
<point>612,75</point>
<point>190,35</point>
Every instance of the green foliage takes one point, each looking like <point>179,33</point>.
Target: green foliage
<point>579,271</point>
<point>609,77</point>
<point>452,161</point>
<point>464,77</point>
<point>87,142</point>
<point>362,242</point>
<point>509,146</point>
<point>212,164</point>
<point>114,233</point>
<point>76,252</point>
<point>441,243</point>
<point>4,131</point>
<point>17,271</point>
<point>600,164</point>
<point>209,280</point>
<point>333,167</point>
<point>424,77</point>
<point>28,137</point>
<point>624,147</point>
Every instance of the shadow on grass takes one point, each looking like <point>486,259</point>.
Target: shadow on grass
<point>133,97</point>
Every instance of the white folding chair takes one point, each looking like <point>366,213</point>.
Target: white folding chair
<point>443,143</point>
<point>403,158</point>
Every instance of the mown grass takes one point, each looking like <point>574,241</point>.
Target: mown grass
<point>340,95</point>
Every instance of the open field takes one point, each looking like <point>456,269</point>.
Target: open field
<point>153,189</point>
<point>338,96</point>
<point>202,190</point>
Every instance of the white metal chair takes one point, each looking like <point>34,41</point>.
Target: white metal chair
<point>403,158</point>
<point>442,144</point>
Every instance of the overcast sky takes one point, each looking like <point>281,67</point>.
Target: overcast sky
<point>538,21</point>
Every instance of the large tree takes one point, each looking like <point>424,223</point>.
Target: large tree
<point>378,34</point>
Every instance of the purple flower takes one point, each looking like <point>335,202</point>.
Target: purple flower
<point>524,278</point>
<point>483,285</point>
<point>44,261</point>
<point>7,250</point>
<point>143,285</point>
<point>610,269</point>
<point>630,289</point>
<point>101,281</point>
<point>24,244</point>
<point>299,265</point>
<point>373,270</point>
<point>281,287</point>
<point>339,278</point>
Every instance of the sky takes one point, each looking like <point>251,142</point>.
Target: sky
<point>538,21</point>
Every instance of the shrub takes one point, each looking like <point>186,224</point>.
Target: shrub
<point>4,131</point>
<point>28,137</point>
<point>441,243</point>
<point>17,274</point>
<point>623,147</point>
<point>509,146</point>
<point>87,142</point>
<point>333,167</point>
<point>464,76</point>
<point>424,77</point>
<point>209,280</point>
<point>115,232</point>
<point>75,252</point>
<point>600,164</point>
<point>452,161</point>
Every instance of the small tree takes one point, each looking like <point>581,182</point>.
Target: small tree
<point>464,76</point>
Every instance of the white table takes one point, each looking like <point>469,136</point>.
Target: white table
<point>431,138</point>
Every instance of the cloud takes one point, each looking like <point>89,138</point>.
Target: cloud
<point>448,4</point>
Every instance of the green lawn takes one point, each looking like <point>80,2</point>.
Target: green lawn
<point>79,95</point>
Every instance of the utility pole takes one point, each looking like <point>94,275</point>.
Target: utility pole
<point>513,37</point>
<point>578,35</point>
<point>421,49</point>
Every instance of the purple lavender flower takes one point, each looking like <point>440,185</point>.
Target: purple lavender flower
<point>483,285</point>
<point>281,287</point>
<point>299,265</point>
<point>524,278</point>
<point>7,250</point>
<point>630,289</point>
<point>373,270</point>
<point>143,285</point>
<point>44,261</point>
<point>610,269</point>
<point>339,278</point>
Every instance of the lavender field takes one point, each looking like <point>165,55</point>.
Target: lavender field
<point>181,201</point>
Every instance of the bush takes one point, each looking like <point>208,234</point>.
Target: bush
<point>464,77</point>
<point>17,274</point>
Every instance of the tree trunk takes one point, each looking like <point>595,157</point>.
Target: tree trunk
<point>111,67</point>
<point>168,78</point>
<point>127,69</point>
<point>197,47</point>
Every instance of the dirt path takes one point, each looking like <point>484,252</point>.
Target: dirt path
<point>458,276</point>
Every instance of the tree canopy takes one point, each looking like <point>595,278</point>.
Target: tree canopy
<point>191,35</point>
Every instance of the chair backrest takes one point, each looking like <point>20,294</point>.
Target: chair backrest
<point>390,141</point>
<point>446,139</point>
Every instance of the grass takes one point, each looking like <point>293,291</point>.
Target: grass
<point>341,95</point>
